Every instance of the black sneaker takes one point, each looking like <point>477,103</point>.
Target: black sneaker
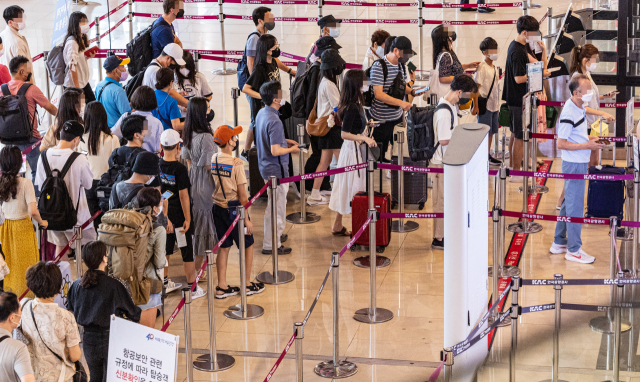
<point>281,251</point>
<point>244,155</point>
<point>494,161</point>
<point>284,237</point>
<point>486,10</point>
<point>230,291</point>
<point>437,244</point>
<point>255,288</point>
<point>468,9</point>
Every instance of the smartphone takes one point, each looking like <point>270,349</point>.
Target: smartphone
<point>411,67</point>
<point>167,195</point>
<point>303,146</point>
<point>84,152</point>
<point>420,91</point>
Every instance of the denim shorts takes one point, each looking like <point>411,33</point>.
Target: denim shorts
<point>155,300</point>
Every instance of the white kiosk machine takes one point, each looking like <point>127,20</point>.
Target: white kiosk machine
<point>466,229</point>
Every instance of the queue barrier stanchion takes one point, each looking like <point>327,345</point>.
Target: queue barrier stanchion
<point>235,94</point>
<point>336,368</point>
<point>516,283</point>
<point>624,233</point>
<point>46,68</point>
<point>298,328</point>
<point>505,270</point>
<point>636,216</point>
<point>400,225</point>
<point>617,328</point>
<point>196,61</point>
<point>420,76</point>
<point>97,21</point>
<point>302,217</point>
<point>555,357</point>
<point>78,232</point>
<point>447,357</point>
<point>130,2</point>
<point>188,344</point>
<point>242,311</point>
<point>213,361</point>
<point>277,276</point>
<point>222,71</point>
<point>495,270</point>
<point>366,261</point>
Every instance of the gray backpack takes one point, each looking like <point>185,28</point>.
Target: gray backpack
<point>55,64</point>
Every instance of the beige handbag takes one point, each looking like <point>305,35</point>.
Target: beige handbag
<point>318,127</point>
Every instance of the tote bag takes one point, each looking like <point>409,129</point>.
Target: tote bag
<point>435,86</point>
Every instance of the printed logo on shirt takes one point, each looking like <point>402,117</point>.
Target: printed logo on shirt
<point>222,169</point>
<point>168,179</point>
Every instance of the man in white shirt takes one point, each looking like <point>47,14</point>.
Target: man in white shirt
<point>576,146</point>
<point>78,177</point>
<point>171,55</point>
<point>14,43</point>
<point>445,119</point>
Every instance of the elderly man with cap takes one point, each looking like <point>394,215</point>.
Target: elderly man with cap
<point>171,55</point>
<point>78,176</point>
<point>114,98</point>
<point>329,27</point>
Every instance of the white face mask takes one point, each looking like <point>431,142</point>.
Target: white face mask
<point>85,28</point>
<point>22,25</point>
<point>184,72</point>
<point>334,32</point>
<point>380,51</point>
<point>283,102</point>
<point>493,56</point>
<point>587,97</point>
<point>592,66</point>
<point>365,88</point>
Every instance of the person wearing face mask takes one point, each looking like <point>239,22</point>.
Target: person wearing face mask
<point>167,111</point>
<point>171,57</point>
<point>376,50</point>
<point>110,93</point>
<point>329,27</point>
<point>143,103</point>
<point>445,119</point>
<point>163,32</point>
<point>16,361</point>
<point>444,58</point>
<point>489,88</point>
<point>576,146</point>
<point>77,178</point>
<point>14,43</point>
<point>192,83</point>
<point>70,106</point>
<point>21,73</point>
<point>75,44</point>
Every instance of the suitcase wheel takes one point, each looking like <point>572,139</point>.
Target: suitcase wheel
<point>353,248</point>
<point>380,249</point>
<point>421,206</point>
<point>394,205</point>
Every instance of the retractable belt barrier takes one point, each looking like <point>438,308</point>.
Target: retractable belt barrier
<point>608,105</point>
<point>545,282</point>
<point>555,136</point>
<point>349,3</point>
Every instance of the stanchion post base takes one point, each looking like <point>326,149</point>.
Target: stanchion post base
<point>518,227</point>
<point>407,226</point>
<point>296,218</point>
<point>284,277</point>
<point>328,369</point>
<point>205,362</point>
<point>604,325</point>
<point>382,315</point>
<point>505,322</point>
<point>506,271</point>
<point>223,72</point>
<point>365,262</point>
<point>538,189</point>
<point>253,311</point>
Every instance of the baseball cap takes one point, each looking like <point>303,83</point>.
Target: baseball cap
<point>175,51</point>
<point>170,137</point>
<point>225,132</point>
<point>113,62</point>
<point>331,59</point>
<point>403,44</point>
<point>74,128</point>
<point>324,43</point>
<point>329,21</point>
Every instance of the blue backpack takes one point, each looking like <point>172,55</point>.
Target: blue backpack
<point>243,70</point>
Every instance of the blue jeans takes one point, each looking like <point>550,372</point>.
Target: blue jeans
<point>573,205</point>
<point>253,121</point>
<point>490,118</point>
<point>32,157</point>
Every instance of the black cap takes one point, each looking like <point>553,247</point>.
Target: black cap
<point>324,43</point>
<point>331,59</point>
<point>74,128</point>
<point>403,44</point>
<point>147,164</point>
<point>328,20</point>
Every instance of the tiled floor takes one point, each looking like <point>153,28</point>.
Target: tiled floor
<point>407,347</point>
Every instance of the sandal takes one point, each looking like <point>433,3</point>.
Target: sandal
<point>230,291</point>
<point>342,232</point>
<point>255,288</point>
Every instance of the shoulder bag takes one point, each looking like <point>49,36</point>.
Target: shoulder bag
<point>318,127</point>
<point>482,101</point>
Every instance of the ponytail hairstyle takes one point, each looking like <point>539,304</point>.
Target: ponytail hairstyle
<point>10,164</point>
<point>92,254</point>
<point>578,53</point>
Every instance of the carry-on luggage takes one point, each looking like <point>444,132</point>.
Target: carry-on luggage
<point>255,179</point>
<point>605,198</point>
<point>360,213</point>
<point>415,185</point>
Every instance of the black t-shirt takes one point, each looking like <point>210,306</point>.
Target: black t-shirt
<point>262,74</point>
<point>174,177</point>
<point>517,60</point>
<point>121,156</point>
<point>353,120</point>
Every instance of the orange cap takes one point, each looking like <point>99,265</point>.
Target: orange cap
<point>223,133</point>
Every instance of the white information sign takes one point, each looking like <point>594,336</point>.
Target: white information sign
<point>140,354</point>
<point>636,154</point>
<point>534,77</point>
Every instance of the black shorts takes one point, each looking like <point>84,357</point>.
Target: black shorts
<point>223,221</point>
<point>516,121</point>
<point>187,252</point>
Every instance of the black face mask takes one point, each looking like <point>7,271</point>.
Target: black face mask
<point>454,36</point>
<point>210,115</point>
<point>29,77</point>
<point>270,25</point>
<point>180,14</point>
<point>463,101</point>
<point>338,71</point>
<point>402,60</point>
<point>275,53</point>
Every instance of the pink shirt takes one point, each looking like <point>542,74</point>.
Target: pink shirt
<point>34,97</point>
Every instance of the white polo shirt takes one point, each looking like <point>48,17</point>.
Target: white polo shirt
<point>14,44</point>
<point>572,126</point>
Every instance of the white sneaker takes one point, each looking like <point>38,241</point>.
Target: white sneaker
<point>580,257</point>
<point>197,293</point>
<point>515,179</point>
<point>314,202</point>
<point>389,174</point>
<point>325,192</point>
<point>171,286</point>
<point>557,249</point>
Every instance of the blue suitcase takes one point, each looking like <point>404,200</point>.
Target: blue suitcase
<point>605,198</point>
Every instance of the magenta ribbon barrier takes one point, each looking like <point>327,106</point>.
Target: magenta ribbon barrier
<point>555,136</point>
<point>284,352</point>
<point>389,166</point>
<point>481,22</point>
<point>608,105</point>
<point>493,172</point>
<point>219,58</point>
<point>226,52</point>
<point>555,175</point>
<point>264,2</point>
<point>626,223</point>
<point>554,218</point>
<point>32,147</point>
<point>37,57</point>
<point>114,10</point>
<point>322,174</point>
<point>422,215</point>
<point>115,51</point>
<point>436,373</point>
<point>91,41</point>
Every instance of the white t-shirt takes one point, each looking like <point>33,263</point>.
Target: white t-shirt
<point>443,129</point>
<point>328,97</point>
<point>18,208</point>
<point>572,126</point>
<point>75,60</point>
<point>99,164</point>
<point>484,75</point>
<point>79,176</point>
<point>594,103</point>
<point>149,78</point>
<point>199,89</point>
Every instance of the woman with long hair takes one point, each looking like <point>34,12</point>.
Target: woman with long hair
<point>192,82</point>
<point>354,123</point>
<point>71,104</point>
<point>198,149</point>
<point>19,205</point>
<point>75,44</point>
<point>93,299</point>
<point>444,58</point>
<point>98,144</point>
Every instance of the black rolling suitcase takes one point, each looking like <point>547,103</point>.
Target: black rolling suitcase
<point>255,179</point>
<point>415,184</point>
<point>605,198</point>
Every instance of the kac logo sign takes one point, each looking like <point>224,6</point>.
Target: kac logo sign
<point>150,337</point>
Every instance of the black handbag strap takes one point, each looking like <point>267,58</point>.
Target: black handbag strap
<point>220,179</point>
<point>492,82</point>
<point>41,339</point>
<point>3,338</point>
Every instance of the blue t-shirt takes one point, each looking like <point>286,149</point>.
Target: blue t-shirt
<point>168,108</point>
<point>162,35</point>
<point>270,131</point>
<point>114,99</point>
<point>252,43</point>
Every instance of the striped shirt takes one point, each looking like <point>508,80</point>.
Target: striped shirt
<point>379,110</point>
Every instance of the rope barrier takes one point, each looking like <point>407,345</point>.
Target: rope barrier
<point>466,344</point>
<point>114,10</point>
<point>91,41</point>
<point>284,352</point>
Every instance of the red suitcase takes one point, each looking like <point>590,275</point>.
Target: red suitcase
<point>360,213</point>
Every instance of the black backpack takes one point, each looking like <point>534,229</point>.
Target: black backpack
<point>136,81</point>
<point>15,126</point>
<point>421,137</point>
<point>243,70</point>
<point>396,90</point>
<point>140,51</point>
<point>116,173</point>
<point>299,92</point>
<point>55,204</point>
